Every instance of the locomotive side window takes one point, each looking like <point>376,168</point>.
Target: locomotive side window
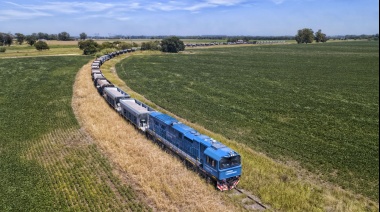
<point>211,161</point>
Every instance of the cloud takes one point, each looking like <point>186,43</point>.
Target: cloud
<point>86,9</point>
<point>225,2</point>
<point>15,14</point>
<point>278,1</point>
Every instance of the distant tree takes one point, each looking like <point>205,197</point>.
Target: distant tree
<point>172,44</point>
<point>107,45</point>
<point>41,45</point>
<point>63,36</point>
<point>31,39</point>
<point>89,47</point>
<point>125,45</point>
<point>83,36</point>
<point>305,36</point>
<point>320,37</point>
<point>2,39</point>
<point>53,37</point>
<point>20,38</point>
<point>6,39</point>
<point>42,35</point>
<point>376,36</point>
<point>151,45</point>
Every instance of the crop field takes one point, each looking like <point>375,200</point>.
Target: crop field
<point>47,162</point>
<point>56,48</point>
<point>316,105</point>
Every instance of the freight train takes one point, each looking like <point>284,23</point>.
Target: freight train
<point>216,162</point>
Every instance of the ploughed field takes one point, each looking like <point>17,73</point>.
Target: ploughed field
<point>47,163</point>
<point>317,105</point>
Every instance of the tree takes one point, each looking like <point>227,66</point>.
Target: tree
<point>320,37</point>
<point>83,36</point>
<point>6,39</point>
<point>305,36</point>
<point>151,45</point>
<point>107,45</point>
<point>41,45</point>
<point>88,46</point>
<point>2,39</point>
<point>172,44</point>
<point>125,45</point>
<point>20,38</point>
<point>31,39</point>
<point>42,35</point>
<point>63,36</point>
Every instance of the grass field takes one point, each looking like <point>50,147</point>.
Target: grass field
<point>47,162</point>
<point>316,105</point>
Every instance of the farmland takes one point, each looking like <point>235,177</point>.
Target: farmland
<point>47,162</point>
<point>316,105</point>
<point>52,163</point>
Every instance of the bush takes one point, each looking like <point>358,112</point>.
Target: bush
<point>172,44</point>
<point>41,45</point>
<point>2,49</point>
<point>89,47</point>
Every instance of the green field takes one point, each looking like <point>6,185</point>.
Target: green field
<point>56,48</point>
<point>47,163</point>
<point>314,104</point>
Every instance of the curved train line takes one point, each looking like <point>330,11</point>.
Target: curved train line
<point>213,160</point>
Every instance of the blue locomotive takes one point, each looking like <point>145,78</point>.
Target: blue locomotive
<point>212,159</point>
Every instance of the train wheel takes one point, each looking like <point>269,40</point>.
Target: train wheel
<point>208,180</point>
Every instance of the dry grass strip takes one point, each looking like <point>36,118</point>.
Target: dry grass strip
<point>166,183</point>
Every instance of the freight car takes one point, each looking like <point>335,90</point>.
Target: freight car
<point>212,159</point>
<point>113,95</point>
<point>135,112</point>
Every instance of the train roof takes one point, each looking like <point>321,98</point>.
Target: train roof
<point>218,150</point>
<point>102,82</point>
<point>215,149</point>
<point>164,118</point>
<point>115,92</point>
<point>134,106</point>
<point>98,75</point>
<point>96,71</point>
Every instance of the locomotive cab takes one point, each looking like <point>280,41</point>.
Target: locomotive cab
<point>224,164</point>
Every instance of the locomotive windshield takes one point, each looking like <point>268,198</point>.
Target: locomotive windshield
<point>229,162</point>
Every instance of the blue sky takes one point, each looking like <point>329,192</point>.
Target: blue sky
<point>196,17</point>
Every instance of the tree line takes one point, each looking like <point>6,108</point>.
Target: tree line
<point>167,44</point>
<point>6,39</point>
<point>171,44</point>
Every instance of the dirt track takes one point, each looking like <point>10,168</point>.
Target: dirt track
<point>160,179</point>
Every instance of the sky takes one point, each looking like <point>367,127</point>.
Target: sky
<point>189,17</point>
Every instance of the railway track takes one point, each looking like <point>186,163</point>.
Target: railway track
<point>252,202</point>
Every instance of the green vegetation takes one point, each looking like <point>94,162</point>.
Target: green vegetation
<point>315,104</point>
<point>172,45</point>
<point>41,45</point>
<point>54,49</point>
<point>47,163</point>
